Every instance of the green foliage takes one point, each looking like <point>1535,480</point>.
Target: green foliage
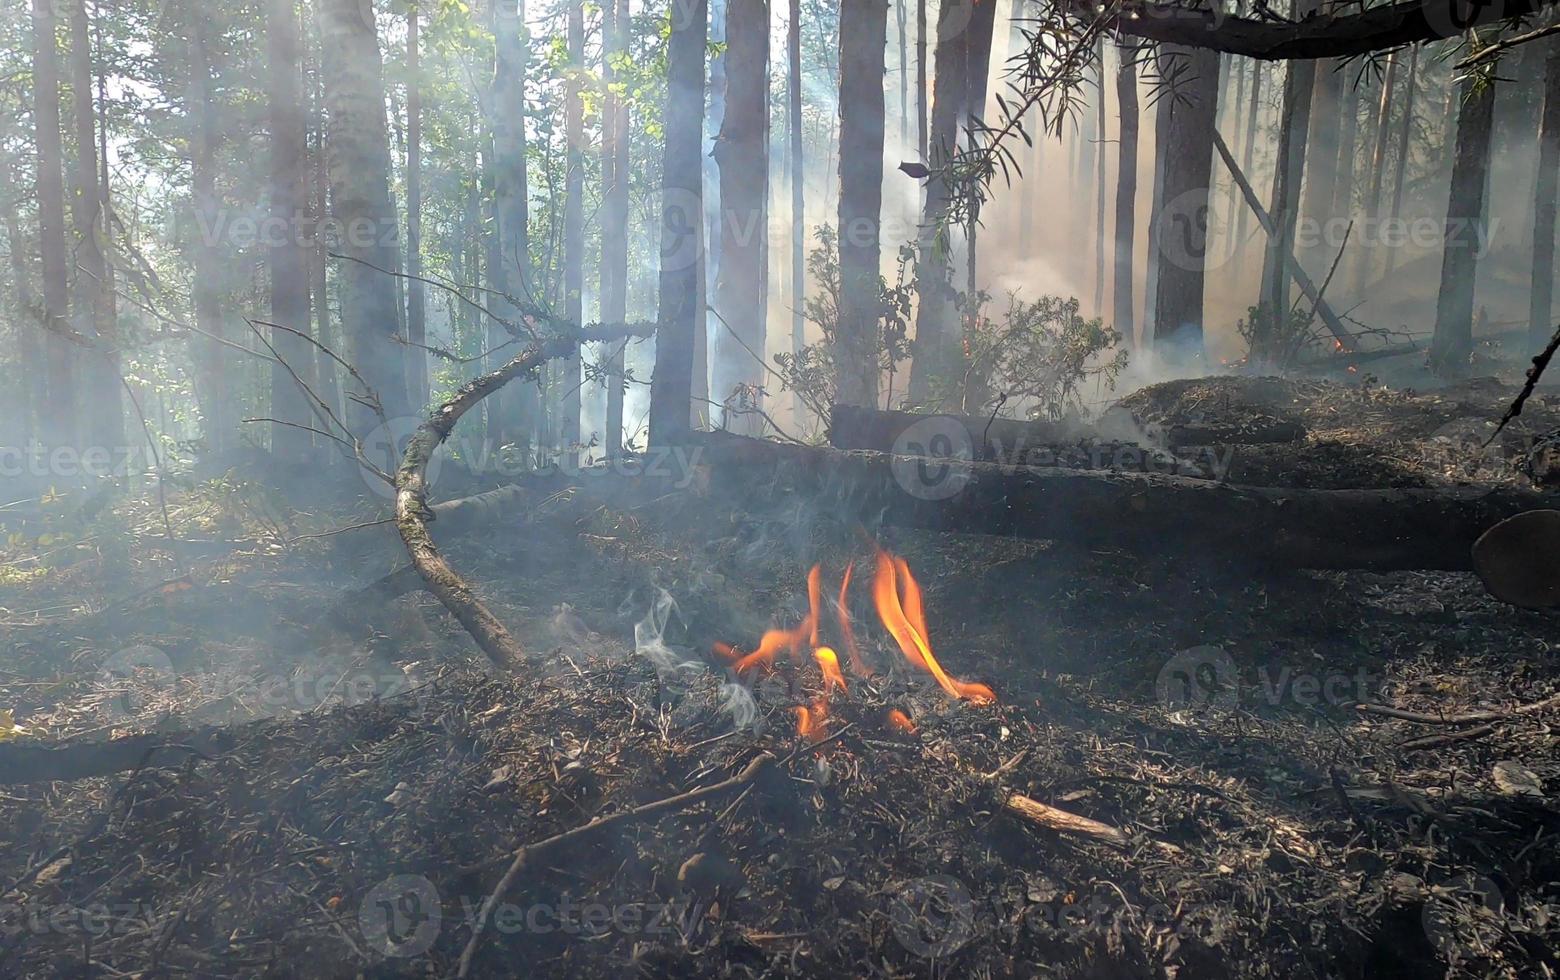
<point>811,372</point>
<point>1273,344</point>
<point>1039,355</point>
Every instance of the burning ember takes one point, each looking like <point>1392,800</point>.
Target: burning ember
<point>897,597</point>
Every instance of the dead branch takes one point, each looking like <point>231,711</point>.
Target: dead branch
<point>1540,362</point>
<point>530,853</point>
<point>1471,718</point>
<point>1049,817</point>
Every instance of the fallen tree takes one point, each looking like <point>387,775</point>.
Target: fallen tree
<point>1380,530</point>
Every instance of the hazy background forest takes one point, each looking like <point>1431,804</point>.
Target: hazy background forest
<point>185,198</point>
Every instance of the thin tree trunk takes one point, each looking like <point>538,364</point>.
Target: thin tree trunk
<point>32,396</point>
<point>213,393</point>
<point>863,37</point>
<point>1277,264</point>
<point>934,325</point>
<point>1253,115</point>
<point>904,75</point>
<point>359,155</point>
<point>1348,138</point>
<point>742,153</point>
<point>798,186</point>
<point>513,413</point>
<point>1405,134</point>
<point>100,368</point>
<point>1126,190</point>
<point>1099,184</point>
<point>982,32</point>
<point>682,220</point>
<point>287,255</point>
<point>319,261</point>
<point>614,227</point>
<point>567,370</point>
<point>59,424</point>
<point>920,79</point>
<point>1378,156</point>
<point>1321,154</point>
<point>416,302</point>
<point>1182,228</point>
<point>1452,343</point>
<point>1540,301</point>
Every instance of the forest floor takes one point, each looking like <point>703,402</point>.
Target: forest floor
<point>1205,708</point>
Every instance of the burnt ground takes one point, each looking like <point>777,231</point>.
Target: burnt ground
<point>1206,708</point>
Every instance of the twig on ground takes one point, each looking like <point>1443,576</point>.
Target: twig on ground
<point>1471,718</point>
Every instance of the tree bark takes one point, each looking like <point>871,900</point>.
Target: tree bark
<point>287,254</point>
<point>1321,154</point>
<point>1253,114</point>
<point>513,414</point>
<point>1099,183</point>
<point>359,155</point>
<point>614,215</point>
<point>682,220</point>
<point>416,302</point>
<point>329,388</point>
<point>58,425</point>
<point>920,79</point>
<point>742,153</point>
<point>1182,227</point>
<point>1126,191</point>
<point>863,37</point>
<point>1540,300</point>
<point>216,398</point>
<point>935,315</point>
<point>1452,343</point>
<point>566,372</point>
<point>1277,264</point>
<point>1405,134</point>
<point>32,397</point>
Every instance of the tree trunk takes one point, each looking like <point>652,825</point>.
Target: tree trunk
<point>1099,184</point>
<point>903,68</point>
<point>1405,134</point>
<point>319,261</point>
<point>1321,155</point>
<point>1378,156</point>
<point>682,220</point>
<point>286,252</point>
<point>1253,114</point>
<point>1182,228</point>
<point>102,391</point>
<point>1452,343</point>
<point>58,425</point>
<point>416,302</point>
<point>217,398</point>
<point>566,371</point>
<point>614,217</point>
<point>513,412</point>
<point>742,152</point>
<point>935,338</point>
<point>977,67</point>
<point>32,396</point>
<point>793,46</point>
<point>1156,203</point>
<point>359,154</point>
<point>1540,301</point>
<point>1277,264</point>
<point>1126,191</point>
<point>863,37</point>
<point>1348,137</point>
<point>920,79</point>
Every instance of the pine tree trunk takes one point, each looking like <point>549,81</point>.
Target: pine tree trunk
<point>920,79</point>
<point>742,153</point>
<point>1182,228</point>
<point>286,253</point>
<point>863,37</point>
<point>416,301</point>
<point>1321,155</point>
<point>319,262</point>
<point>1540,302</point>
<point>31,397</point>
<point>614,217</point>
<point>215,395</point>
<point>1452,343</point>
<point>1348,139</point>
<point>103,390</point>
<point>977,66</point>
<point>1099,184</point>
<point>1277,270</point>
<point>58,425</point>
<point>793,46</point>
<point>1253,115</point>
<point>1405,135</point>
<point>682,221</point>
<point>1126,191</point>
<point>566,371</point>
<point>935,316</point>
<point>359,158</point>
<point>513,413</point>
<point>904,74</point>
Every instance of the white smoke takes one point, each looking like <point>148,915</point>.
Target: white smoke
<point>650,638</point>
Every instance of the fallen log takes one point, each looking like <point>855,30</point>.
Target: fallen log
<point>1381,530</point>
<point>28,761</point>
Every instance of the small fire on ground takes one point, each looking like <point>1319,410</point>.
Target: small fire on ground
<point>897,598</point>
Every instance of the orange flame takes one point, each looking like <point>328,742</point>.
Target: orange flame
<point>829,663</point>
<point>806,726</point>
<point>899,721</point>
<point>905,619</point>
<point>774,641</point>
<point>858,666</point>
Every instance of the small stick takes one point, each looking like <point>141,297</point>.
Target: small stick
<point>528,854</point>
<point>1049,817</point>
<point>1472,718</point>
<point>1436,741</point>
